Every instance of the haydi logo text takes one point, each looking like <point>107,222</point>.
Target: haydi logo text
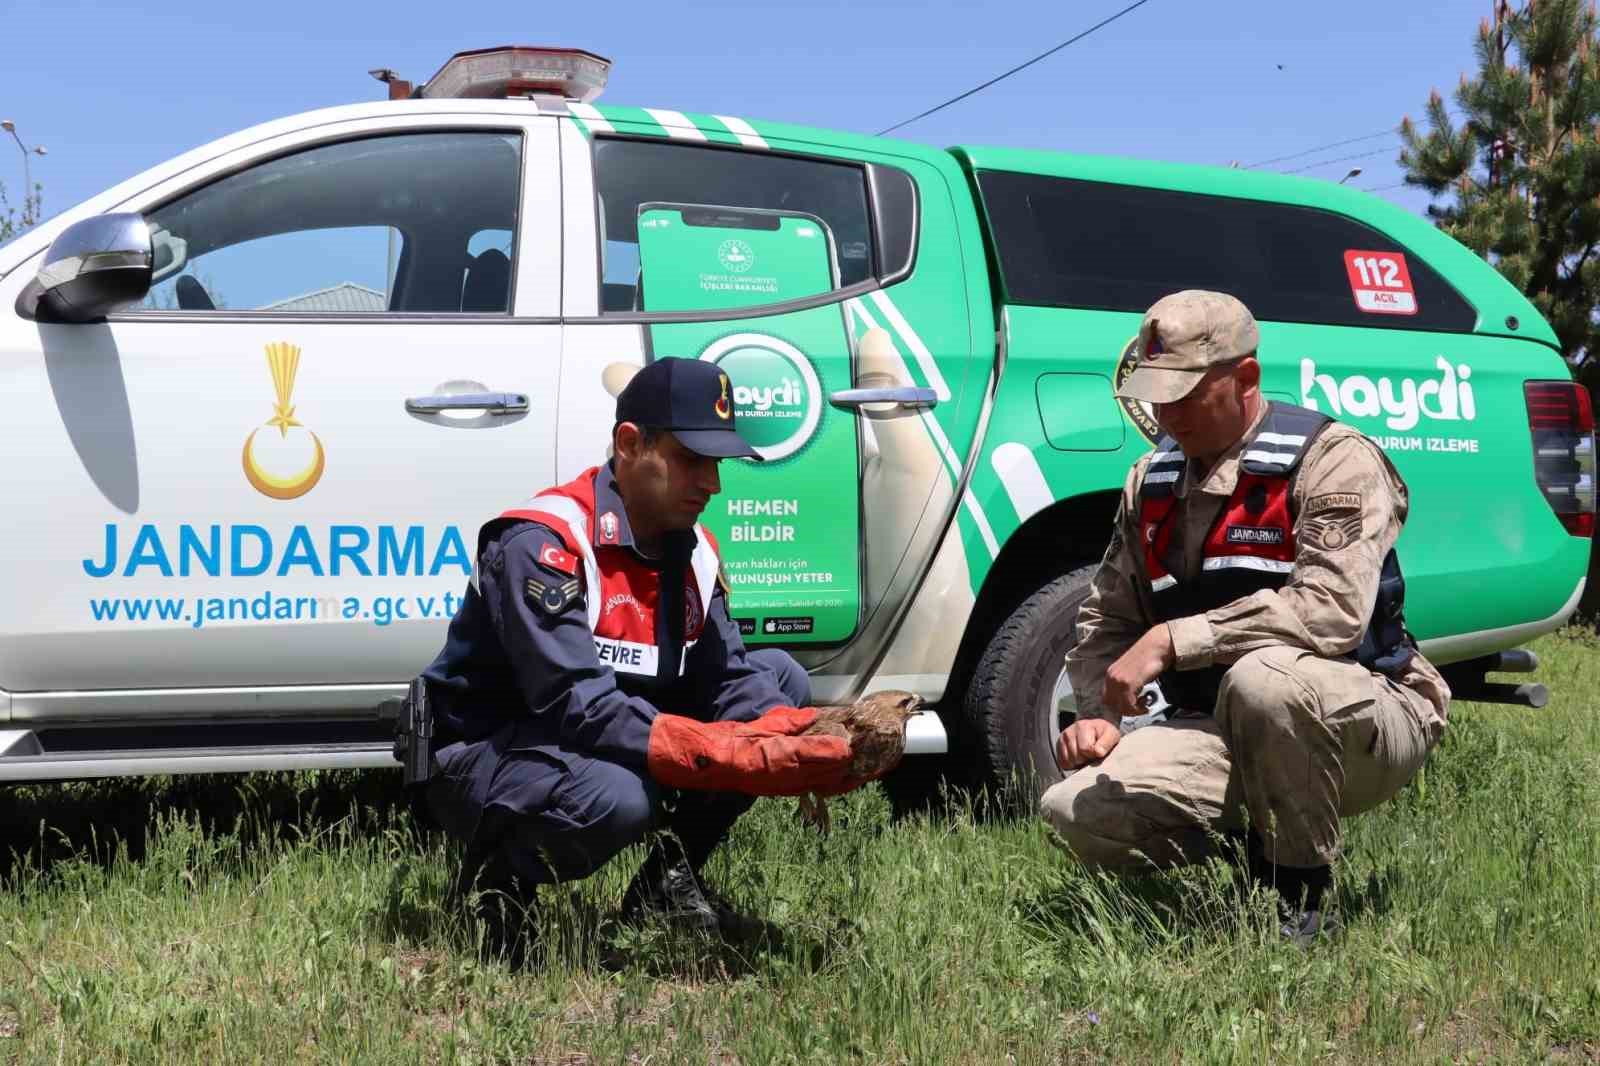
<point>1404,401</point>
<point>787,393</point>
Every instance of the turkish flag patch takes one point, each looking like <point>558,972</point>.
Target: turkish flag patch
<point>558,560</point>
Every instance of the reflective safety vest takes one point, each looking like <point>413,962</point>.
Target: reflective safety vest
<point>1250,547</point>
<point>623,594</point>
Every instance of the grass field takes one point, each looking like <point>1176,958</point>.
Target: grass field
<point>294,918</point>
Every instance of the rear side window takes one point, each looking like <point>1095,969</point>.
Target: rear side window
<point>1068,243</point>
<point>732,198</point>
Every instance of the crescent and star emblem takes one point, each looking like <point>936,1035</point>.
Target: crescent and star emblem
<point>283,360</point>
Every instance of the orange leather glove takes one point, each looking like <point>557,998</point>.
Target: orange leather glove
<point>760,758</point>
<point>842,784</point>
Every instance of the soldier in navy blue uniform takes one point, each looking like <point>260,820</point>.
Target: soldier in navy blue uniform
<point>593,688</point>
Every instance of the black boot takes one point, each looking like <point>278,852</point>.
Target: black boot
<point>1302,892</point>
<point>669,883</point>
<point>507,908</point>
<point>668,886</point>
<point>488,891</point>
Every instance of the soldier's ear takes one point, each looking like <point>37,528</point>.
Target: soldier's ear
<point>1248,372</point>
<point>627,441</point>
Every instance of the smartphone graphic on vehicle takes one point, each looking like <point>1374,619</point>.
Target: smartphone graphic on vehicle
<point>703,258</point>
<point>789,528</point>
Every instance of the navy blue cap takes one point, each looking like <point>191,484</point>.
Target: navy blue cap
<point>693,399</point>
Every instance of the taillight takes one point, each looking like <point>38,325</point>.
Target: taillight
<point>1561,420</point>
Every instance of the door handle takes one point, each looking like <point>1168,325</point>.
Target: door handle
<point>902,395</point>
<point>494,403</point>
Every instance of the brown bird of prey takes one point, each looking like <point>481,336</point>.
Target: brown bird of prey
<point>875,727</point>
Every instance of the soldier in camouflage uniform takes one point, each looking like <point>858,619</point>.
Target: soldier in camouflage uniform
<point>1252,572</point>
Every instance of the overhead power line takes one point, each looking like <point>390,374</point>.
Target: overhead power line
<point>1394,130</point>
<point>1323,148</point>
<point>1021,66</point>
<point>1337,159</point>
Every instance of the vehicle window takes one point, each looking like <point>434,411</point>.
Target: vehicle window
<point>1068,243</point>
<point>416,222</point>
<point>727,188</point>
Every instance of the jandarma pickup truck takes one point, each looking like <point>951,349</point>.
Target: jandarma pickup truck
<point>260,398</point>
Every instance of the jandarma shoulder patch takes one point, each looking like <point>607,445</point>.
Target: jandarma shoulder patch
<point>1330,501</point>
<point>551,598</point>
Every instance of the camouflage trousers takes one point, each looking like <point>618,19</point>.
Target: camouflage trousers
<point>1296,742</point>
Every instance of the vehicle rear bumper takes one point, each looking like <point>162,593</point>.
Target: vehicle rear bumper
<point>1441,650</point>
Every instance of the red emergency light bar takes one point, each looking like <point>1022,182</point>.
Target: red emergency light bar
<point>518,71</point>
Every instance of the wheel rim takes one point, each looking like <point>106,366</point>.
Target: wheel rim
<point>1061,707</point>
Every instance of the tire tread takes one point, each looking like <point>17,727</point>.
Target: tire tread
<point>997,667</point>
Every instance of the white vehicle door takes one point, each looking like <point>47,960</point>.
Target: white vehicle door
<point>273,472</point>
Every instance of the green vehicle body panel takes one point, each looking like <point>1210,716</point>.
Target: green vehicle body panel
<point>1481,550</point>
<point>1516,564</point>
<point>946,303</point>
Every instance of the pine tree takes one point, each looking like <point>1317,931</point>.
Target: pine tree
<point>1522,170</point>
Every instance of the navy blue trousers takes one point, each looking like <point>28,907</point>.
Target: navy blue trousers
<point>557,815</point>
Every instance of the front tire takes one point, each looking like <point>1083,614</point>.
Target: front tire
<point>1019,699</point>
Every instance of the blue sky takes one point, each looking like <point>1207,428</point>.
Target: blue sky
<point>113,89</point>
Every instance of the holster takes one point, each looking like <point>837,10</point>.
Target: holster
<point>413,732</point>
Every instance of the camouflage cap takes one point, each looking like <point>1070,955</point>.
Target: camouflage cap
<point>1183,335</point>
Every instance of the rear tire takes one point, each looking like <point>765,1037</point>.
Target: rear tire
<point>1019,699</point>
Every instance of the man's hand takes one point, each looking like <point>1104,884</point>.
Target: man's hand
<point>1138,666</point>
<point>1085,741</point>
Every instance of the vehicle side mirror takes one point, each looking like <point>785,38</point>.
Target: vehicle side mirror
<point>93,268</point>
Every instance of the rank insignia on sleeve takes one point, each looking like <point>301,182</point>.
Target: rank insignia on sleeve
<point>1334,529</point>
<point>551,598</point>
